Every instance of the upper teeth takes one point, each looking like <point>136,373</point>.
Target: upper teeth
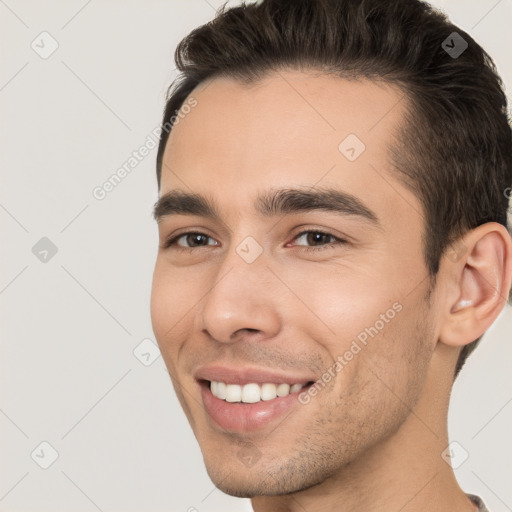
<point>251,393</point>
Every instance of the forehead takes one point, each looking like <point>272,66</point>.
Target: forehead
<point>311,101</point>
<point>291,128</point>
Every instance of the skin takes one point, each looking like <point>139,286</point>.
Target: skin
<point>372,438</point>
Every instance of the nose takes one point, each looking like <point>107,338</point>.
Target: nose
<point>243,298</point>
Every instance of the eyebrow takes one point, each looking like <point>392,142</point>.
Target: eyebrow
<point>283,201</point>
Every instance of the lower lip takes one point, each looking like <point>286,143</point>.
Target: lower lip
<point>241,417</point>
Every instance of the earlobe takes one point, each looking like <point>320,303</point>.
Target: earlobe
<point>479,284</point>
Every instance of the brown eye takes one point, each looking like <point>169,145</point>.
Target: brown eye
<point>192,238</point>
<point>318,239</point>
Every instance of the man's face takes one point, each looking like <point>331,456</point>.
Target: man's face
<point>254,298</point>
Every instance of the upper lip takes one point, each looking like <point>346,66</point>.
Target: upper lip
<point>247,375</point>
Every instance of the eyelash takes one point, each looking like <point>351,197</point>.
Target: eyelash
<point>171,241</point>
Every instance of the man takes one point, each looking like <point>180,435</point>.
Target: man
<point>333,244</point>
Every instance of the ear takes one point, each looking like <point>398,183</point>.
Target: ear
<point>479,270</point>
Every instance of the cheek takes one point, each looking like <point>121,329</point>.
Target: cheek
<point>363,325</point>
<point>170,307</point>
<point>160,303</point>
<point>345,304</point>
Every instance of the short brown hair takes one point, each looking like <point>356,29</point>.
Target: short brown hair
<point>455,146</point>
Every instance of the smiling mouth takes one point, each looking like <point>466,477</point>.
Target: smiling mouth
<point>252,392</point>
<point>249,406</point>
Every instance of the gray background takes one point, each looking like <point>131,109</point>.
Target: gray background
<point>70,324</point>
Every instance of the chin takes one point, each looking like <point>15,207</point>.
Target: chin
<point>230,481</point>
<point>271,480</point>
